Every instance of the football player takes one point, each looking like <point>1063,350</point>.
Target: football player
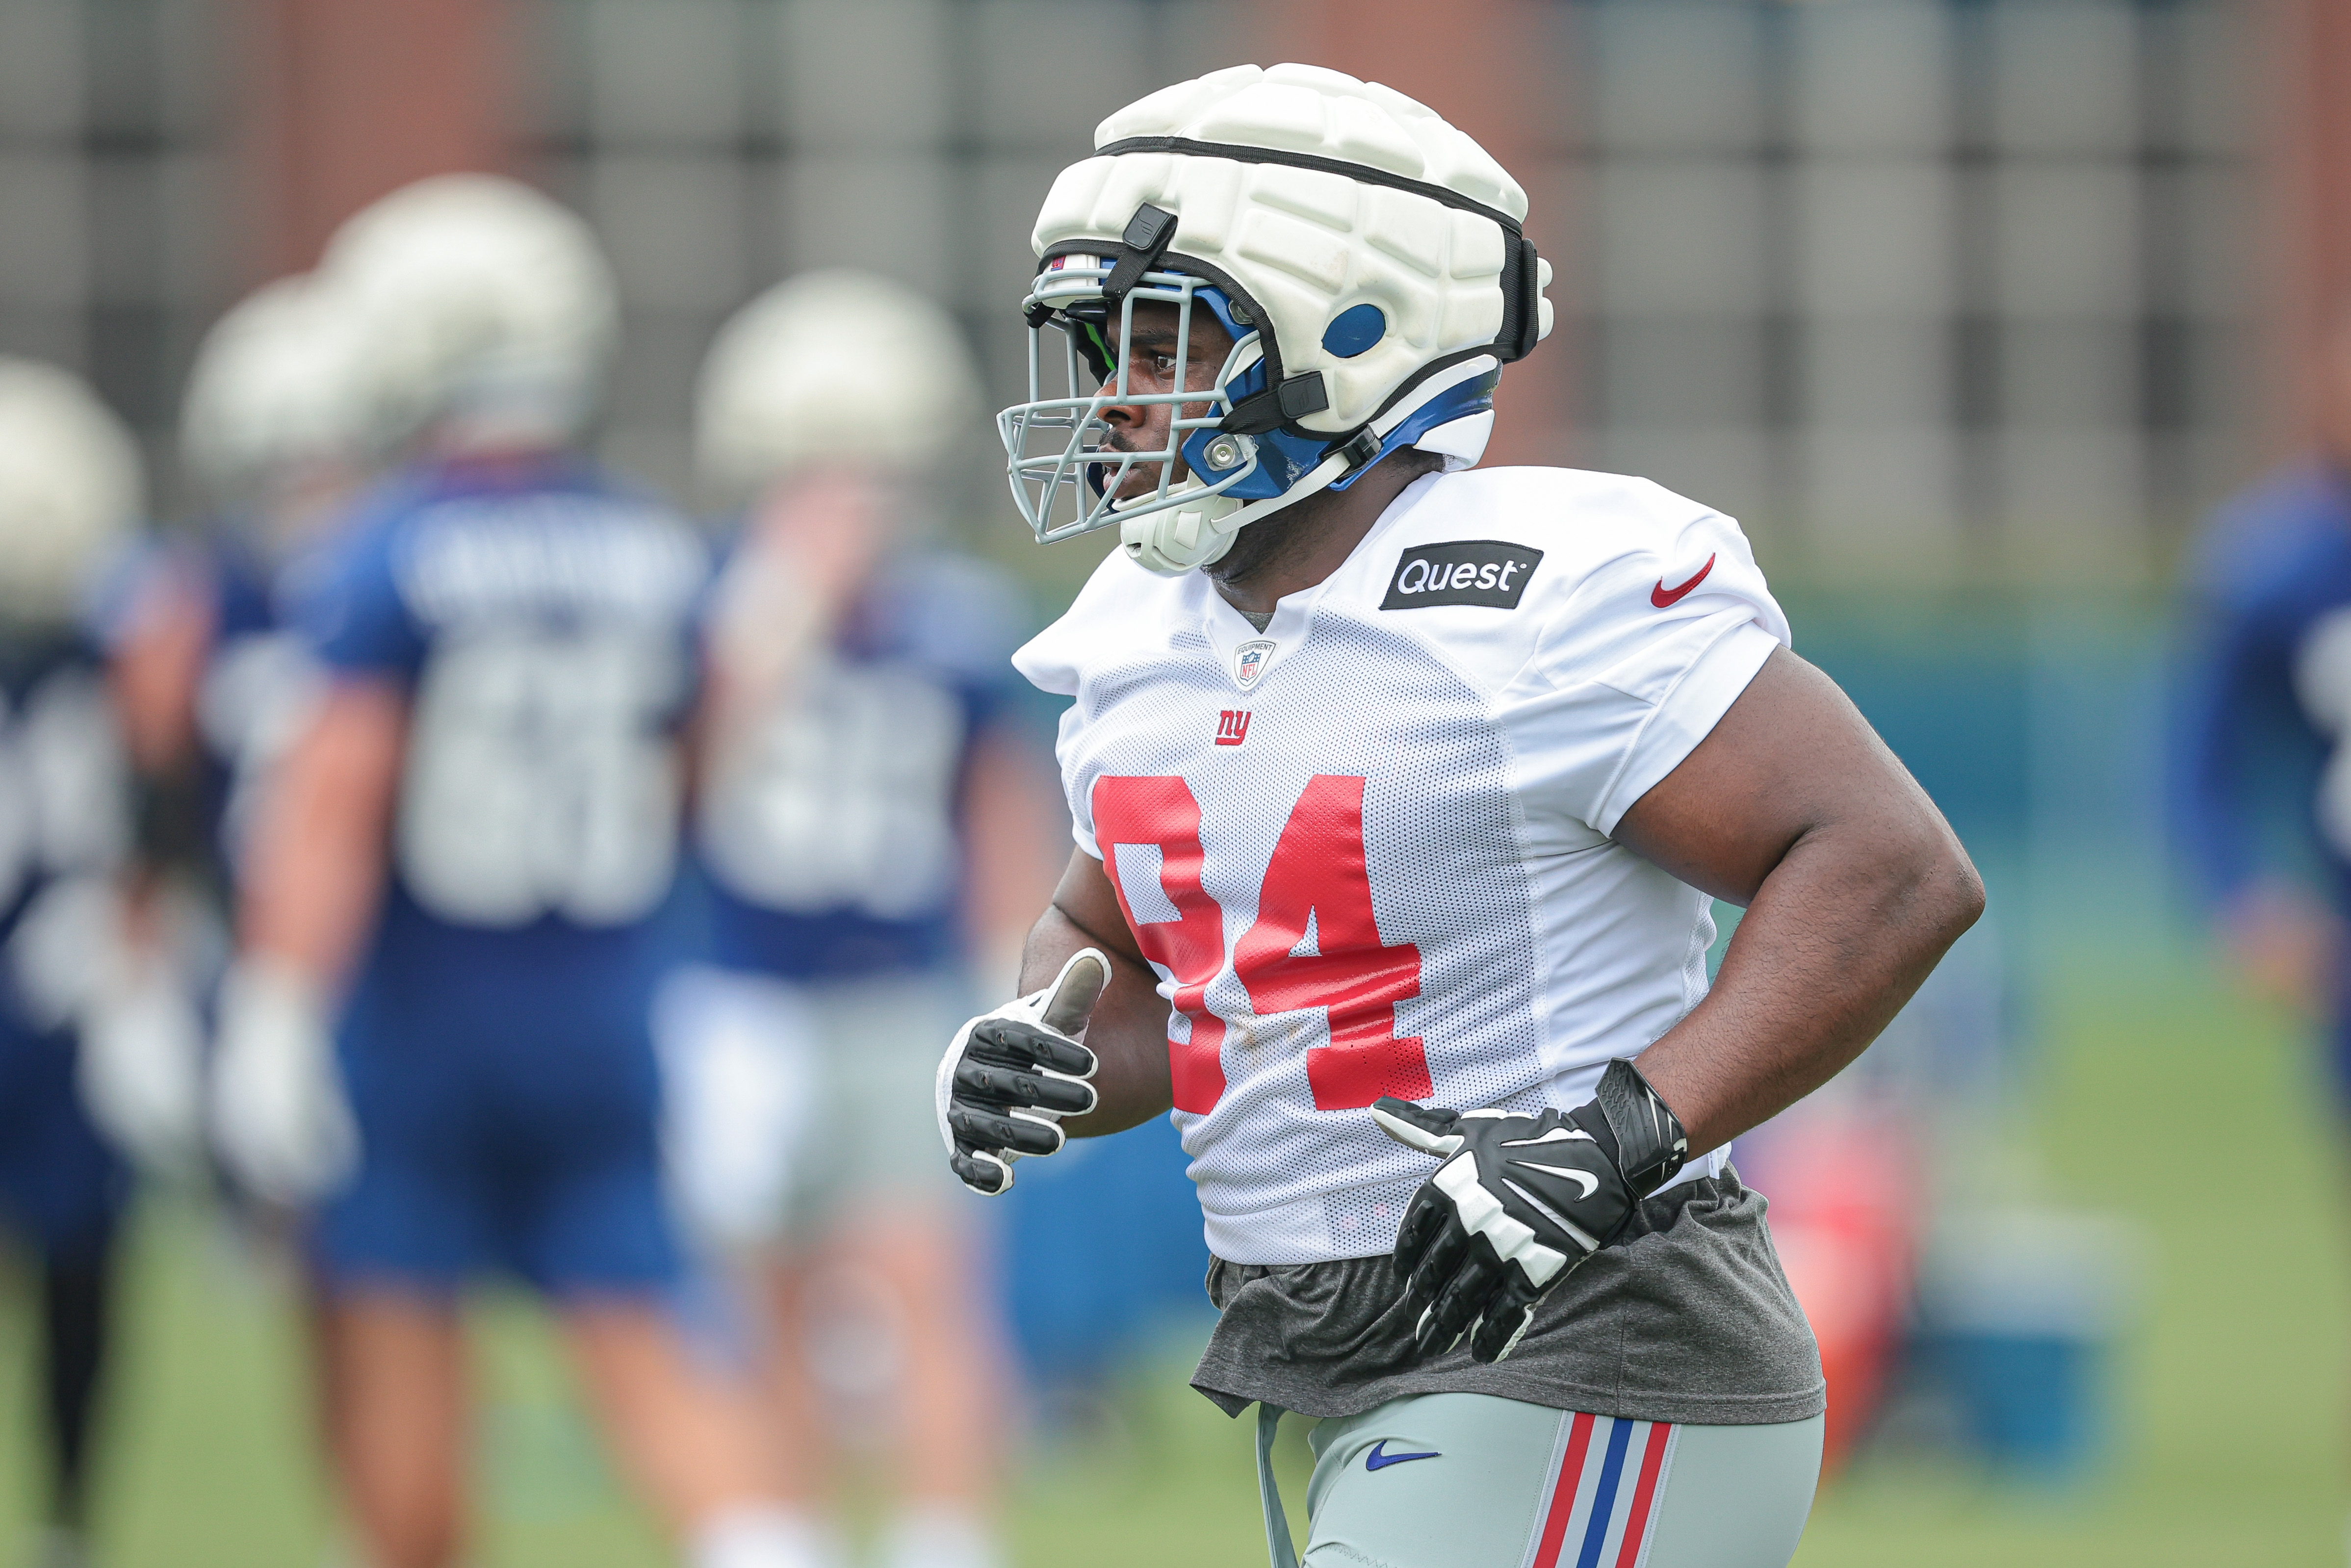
<point>862,782</point>
<point>1401,790</point>
<point>2264,712</point>
<point>69,500</point>
<point>278,429</point>
<point>208,677</point>
<point>2265,707</point>
<point>437,1029</point>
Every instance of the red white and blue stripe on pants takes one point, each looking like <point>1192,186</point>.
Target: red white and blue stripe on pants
<point>1603,1495</point>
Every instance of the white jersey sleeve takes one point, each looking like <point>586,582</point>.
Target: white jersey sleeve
<point>1640,656</point>
<point>1055,660</point>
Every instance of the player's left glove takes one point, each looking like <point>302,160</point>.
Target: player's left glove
<point>1519,1202</point>
<point>280,1118</point>
<point>1009,1076</point>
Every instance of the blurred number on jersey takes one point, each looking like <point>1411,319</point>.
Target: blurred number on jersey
<point>844,798</point>
<point>2322,680</point>
<point>250,707</point>
<point>542,778</point>
<point>64,800</point>
<point>1315,942</point>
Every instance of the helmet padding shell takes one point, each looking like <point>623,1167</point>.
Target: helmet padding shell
<point>71,493</point>
<point>834,366</point>
<point>483,305</point>
<point>1310,246</point>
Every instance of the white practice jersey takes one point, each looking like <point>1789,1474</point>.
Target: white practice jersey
<point>1367,849</point>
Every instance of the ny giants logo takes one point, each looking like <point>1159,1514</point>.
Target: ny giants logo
<point>1232,726</point>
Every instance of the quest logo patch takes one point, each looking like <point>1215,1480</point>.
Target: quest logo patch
<point>1462,572</point>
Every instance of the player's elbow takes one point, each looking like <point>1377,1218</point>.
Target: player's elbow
<point>1941,889</point>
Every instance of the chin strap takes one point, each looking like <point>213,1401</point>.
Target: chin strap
<point>1148,235</point>
<point>1177,540</point>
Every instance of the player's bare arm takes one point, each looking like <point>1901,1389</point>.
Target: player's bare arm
<point>1854,886</point>
<point>1127,1031</point>
<point>315,871</point>
<point>319,854</point>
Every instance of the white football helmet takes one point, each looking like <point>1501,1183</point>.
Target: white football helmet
<point>71,492</point>
<point>1366,257</point>
<point>484,308</point>
<point>279,392</point>
<point>832,366</point>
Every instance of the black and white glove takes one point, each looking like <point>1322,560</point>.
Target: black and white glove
<point>1012,1075</point>
<point>1519,1202</point>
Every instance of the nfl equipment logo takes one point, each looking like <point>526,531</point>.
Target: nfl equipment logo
<point>1249,660</point>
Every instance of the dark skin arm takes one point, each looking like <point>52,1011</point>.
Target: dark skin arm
<point>1128,1030</point>
<point>1853,884</point>
<point>1854,887</point>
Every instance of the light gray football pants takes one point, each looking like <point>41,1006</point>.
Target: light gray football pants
<point>1469,1480</point>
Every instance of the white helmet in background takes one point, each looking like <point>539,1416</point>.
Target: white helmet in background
<point>833,365</point>
<point>1366,257</point>
<point>279,393</point>
<point>483,306</point>
<point>71,492</point>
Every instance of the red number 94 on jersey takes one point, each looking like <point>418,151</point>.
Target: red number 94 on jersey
<point>1317,880</point>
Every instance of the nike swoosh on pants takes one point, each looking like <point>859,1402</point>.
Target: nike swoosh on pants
<point>1379,1459</point>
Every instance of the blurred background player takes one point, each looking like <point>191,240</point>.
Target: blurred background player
<point>70,497</point>
<point>278,429</point>
<point>209,679</point>
<point>437,1027</point>
<point>865,789</point>
<point>2261,783</point>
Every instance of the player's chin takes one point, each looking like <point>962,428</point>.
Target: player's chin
<point>1140,484</point>
<point>1128,493</point>
<point>1142,481</point>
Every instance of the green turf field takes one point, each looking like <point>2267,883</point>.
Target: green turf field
<point>2231,1416</point>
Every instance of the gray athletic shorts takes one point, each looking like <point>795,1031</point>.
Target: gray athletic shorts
<point>789,1105</point>
<point>1472,1480</point>
<point>1687,1317</point>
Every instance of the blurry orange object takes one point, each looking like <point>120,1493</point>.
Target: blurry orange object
<point>1843,1182</point>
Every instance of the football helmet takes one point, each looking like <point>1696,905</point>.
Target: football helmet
<point>278,392</point>
<point>831,366</point>
<point>71,492</point>
<point>1366,259</point>
<point>484,308</point>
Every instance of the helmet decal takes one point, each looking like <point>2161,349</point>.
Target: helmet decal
<point>1354,331</point>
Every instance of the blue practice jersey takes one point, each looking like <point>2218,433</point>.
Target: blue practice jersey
<point>2260,778</point>
<point>253,686</point>
<point>65,811</point>
<point>65,825</point>
<point>541,619</point>
<point>254,690</point>
<point>833,839</point>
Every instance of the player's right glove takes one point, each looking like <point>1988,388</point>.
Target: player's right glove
<point>1521,1201</point>
<point>284,1128</point>
<point>1011,1075</point>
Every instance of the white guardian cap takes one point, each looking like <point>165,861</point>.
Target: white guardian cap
<point>278,392</point>
<point>71,492</point>
<point>1366,257</point>
<point>484,306</point>
<point>828,367</point>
